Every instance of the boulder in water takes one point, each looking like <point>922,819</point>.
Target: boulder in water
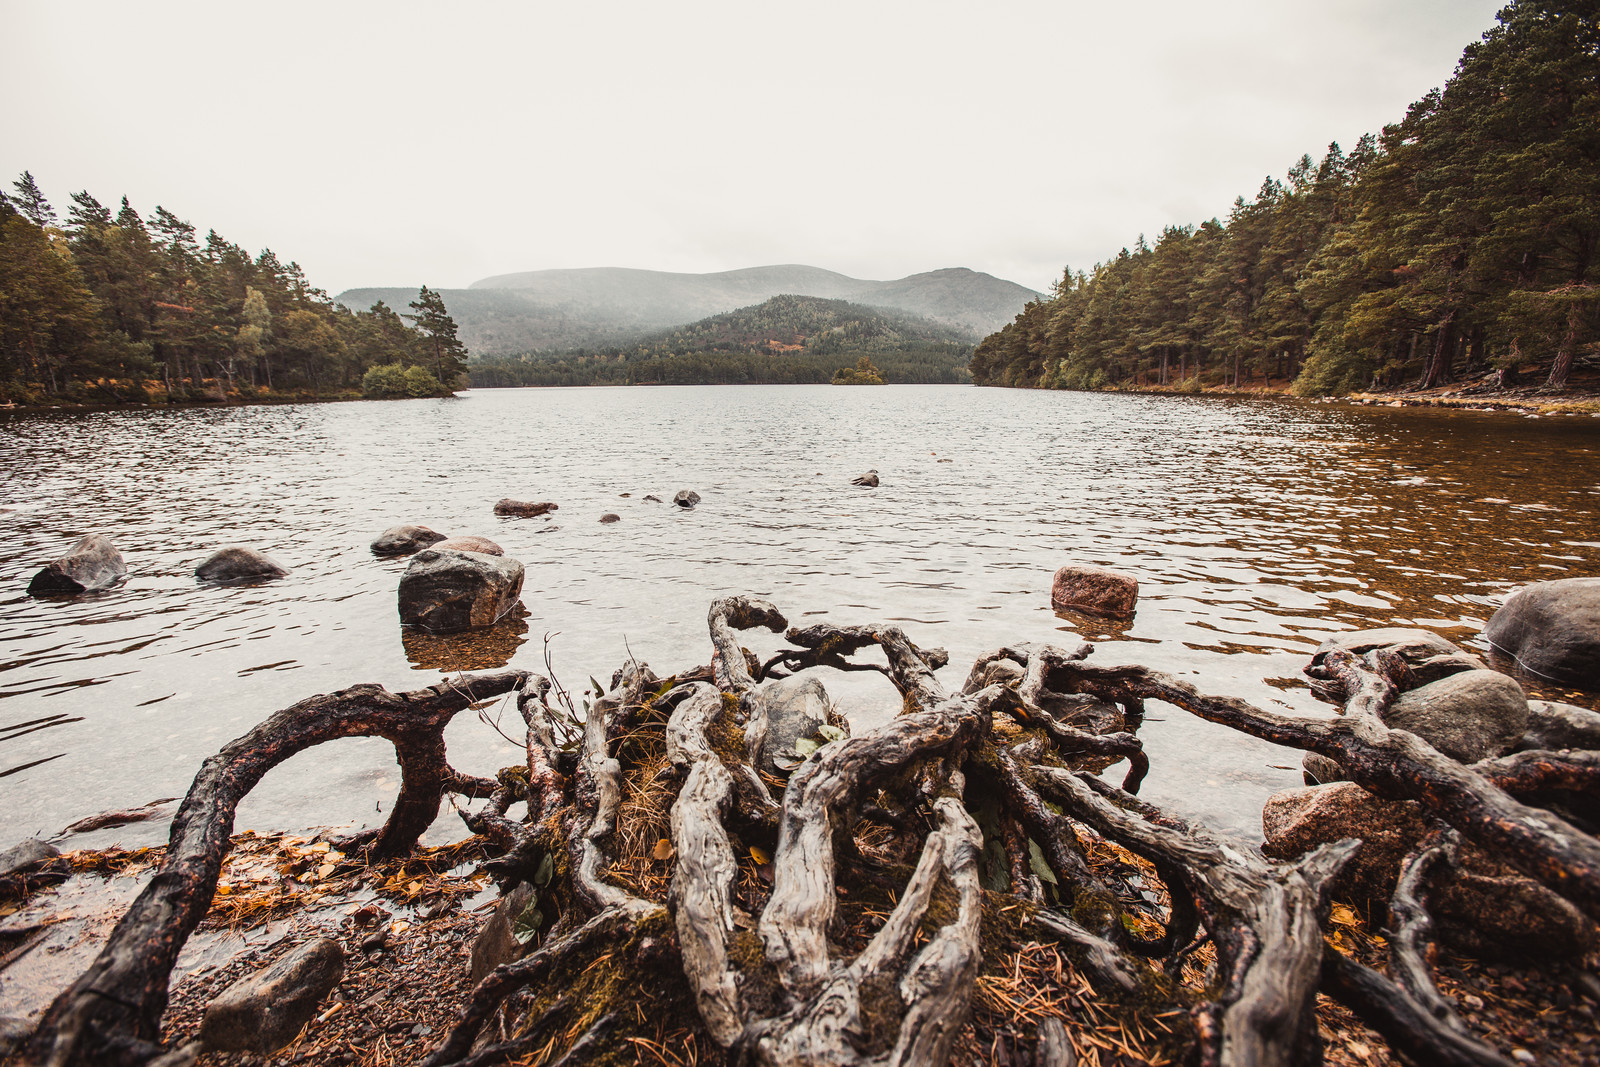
<point>869,479</point>
<point>404,540</point>
<point>522,509</point>
<point>446,591</point>
<point>686,498</point>
<point>1095,591</point>
<point>610,517</point>
<point>234,563</point>
<point>93,564</point>
<point>471,544</point>
<point>1552,630</point>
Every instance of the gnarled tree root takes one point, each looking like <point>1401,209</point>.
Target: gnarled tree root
<point>860,938</point>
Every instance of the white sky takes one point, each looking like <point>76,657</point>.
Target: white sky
<point>405,143</point>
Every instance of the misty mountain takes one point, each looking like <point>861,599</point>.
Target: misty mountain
<point>608,307</point>
<point>785,340</point>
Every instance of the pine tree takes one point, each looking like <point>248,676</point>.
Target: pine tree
<point>449,354</point>
<point>30,202</point>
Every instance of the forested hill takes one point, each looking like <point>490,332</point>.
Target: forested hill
<point>1463,241</point>
<point>564,310</point>
<point>787,339</point>
<point>112,307</point>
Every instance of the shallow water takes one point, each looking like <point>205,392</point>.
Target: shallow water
<point>1256,528</point>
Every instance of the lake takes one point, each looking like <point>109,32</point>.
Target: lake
<point>1255,527</point>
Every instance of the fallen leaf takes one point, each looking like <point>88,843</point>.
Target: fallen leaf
<point>663,849</point>
<point>760,855</point>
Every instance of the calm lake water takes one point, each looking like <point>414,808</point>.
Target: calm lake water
<point>1256,528</point>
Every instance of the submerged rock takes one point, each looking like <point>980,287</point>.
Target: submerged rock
<point>446,591</point>
<point>262,1012</point>
<point>869,479</point>
<point>1095,591</point>
<point>1552,629</point>
<point>471,544</point>
<point>236,562</point>
<point>686,498</point>
<point>610,517</point>
<point>404,540</point>
<point>92,564</point>
<point>522,509</point>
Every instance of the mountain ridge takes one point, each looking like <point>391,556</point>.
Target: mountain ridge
<point>573,309</point>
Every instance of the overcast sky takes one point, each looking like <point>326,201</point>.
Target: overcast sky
<point>406,143</point>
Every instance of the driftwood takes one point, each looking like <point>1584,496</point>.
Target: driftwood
<point>841,914</point>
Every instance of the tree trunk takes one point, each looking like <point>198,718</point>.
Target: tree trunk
<point>1438,370</point>
<point>1563,364</point>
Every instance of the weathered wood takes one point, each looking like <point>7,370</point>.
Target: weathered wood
<point>702,882</point>
<point>1391,763</point>
<point>1406,1025</point>
<point>116,1005</point>
<point>1265,921</point>
<point>1411,933</point>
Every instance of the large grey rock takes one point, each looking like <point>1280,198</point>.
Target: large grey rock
<point>1430,656</point>
<point>1552,630</point>
<point>1481,906</point>
<point>495,943</point>
<point>447,591</point>
<point>1094,590</point>
<point>92,564</point>
<point>25,855</point>
<point>404,540</point>
<point>263,1012</point>
<point>1468,716</point>
<point>234,563</point>
<point>1557,726</point>
<point>797,707</point>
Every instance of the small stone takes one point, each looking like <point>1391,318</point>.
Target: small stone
<point>496,943</point>
<point>263,1012</point>
<point>610,517</point>
<point>234,563</point>
<point>404,540</point>
<point>1095,591</point>
<point>1522,1055</point>
<point>26,854</point>
<point>686,498</point>
<point>375,941</point>
<point>522,509</point>
<point>652,496</point>
<point>471,544</point>
<point>869,479</point>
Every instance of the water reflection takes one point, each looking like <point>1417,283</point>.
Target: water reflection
<point>475,650</point>
<point>1255,528</point>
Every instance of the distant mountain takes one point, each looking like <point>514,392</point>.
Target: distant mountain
<point>787,339</point>
<point>606,307</point>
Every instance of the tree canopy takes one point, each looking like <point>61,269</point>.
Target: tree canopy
<point>1463,239</point>
<point>115,307</point>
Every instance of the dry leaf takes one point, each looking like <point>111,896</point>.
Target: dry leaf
<point>760,855</point>
<point>663,850</point>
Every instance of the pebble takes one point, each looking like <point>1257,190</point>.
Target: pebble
<point>1522,1055</point>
